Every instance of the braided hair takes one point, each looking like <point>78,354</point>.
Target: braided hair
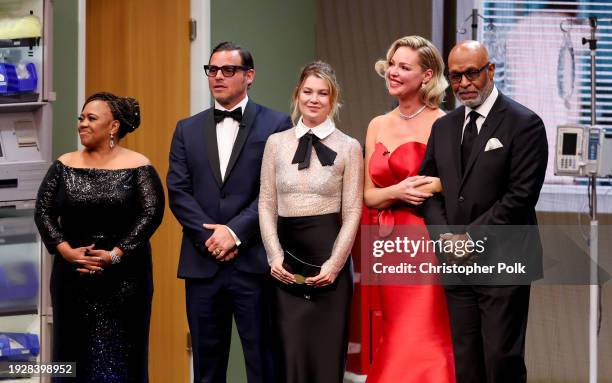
<point>126,110</point>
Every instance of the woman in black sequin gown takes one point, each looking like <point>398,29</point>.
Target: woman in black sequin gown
<point>96,210</point>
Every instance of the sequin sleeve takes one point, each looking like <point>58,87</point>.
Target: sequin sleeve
<point>151,198</point>
<point>268,202</point>
<point>352,199</point>
<point>46,214</point>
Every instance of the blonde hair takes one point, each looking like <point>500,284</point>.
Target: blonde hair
<point>432,93</point>
<point>325,72</point>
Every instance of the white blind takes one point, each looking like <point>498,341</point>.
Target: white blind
<point>546,69</point>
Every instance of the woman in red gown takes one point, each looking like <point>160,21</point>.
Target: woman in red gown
<point>416,342</point>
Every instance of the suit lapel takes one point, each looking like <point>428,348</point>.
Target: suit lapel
<point>243,132</point>
<point>456,143</point>
<point>212,150</point>
<point>490,125</point>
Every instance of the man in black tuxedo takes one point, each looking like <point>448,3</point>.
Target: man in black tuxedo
<point>213,188</point>
<point>491,155</point>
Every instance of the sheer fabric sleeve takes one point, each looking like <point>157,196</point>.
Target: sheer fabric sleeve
<point>352,200</point>
<point>268,202</point>
<point>151,199</point>
<point>46,213</point>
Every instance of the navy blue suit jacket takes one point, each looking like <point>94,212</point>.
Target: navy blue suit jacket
<point>197,194</point>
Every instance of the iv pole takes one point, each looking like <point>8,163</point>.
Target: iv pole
<point>593,245</point>
<point>593,236</point>
<point>474,17</point>
<point>475,24</point>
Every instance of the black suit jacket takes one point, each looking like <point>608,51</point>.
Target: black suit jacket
<point>498,187</point>
<point>197,194</point>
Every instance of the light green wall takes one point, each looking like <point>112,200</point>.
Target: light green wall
<point>65,54</point>
<point>281,36</point>
<point>279,33</point>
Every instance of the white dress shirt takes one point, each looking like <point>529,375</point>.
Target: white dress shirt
<point>322,130</point>
<point>227,131</point>
<point>482,109</point>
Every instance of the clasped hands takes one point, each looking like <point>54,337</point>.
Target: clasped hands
<point>458,252</point>
<point>87,259</point>
<point>324,278</point>
<point>221,243</point>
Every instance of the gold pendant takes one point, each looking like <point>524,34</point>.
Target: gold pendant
<point>299,279</point>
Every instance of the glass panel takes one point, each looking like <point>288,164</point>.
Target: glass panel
<point>20,254</point>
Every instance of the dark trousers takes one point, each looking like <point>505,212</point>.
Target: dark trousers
<point>211,303</point>
<point>488,325</point>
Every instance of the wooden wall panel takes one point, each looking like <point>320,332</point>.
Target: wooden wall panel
<point>140,48</point>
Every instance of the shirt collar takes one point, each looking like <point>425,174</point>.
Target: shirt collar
<point>484,108</point>
<point>323,130</point>
<point>242,104</point>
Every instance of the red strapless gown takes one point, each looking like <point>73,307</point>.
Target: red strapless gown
<point>416,344</point>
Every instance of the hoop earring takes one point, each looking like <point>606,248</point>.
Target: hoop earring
<point>111,142</point>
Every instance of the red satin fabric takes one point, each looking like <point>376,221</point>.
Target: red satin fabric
<point>416,344</point>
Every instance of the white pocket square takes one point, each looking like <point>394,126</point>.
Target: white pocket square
<point>493,144</point>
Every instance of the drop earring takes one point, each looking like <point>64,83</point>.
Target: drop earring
<point>111,142</point>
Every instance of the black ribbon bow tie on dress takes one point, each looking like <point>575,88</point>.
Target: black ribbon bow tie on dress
<point>302,154</point>
<point>236,114</point>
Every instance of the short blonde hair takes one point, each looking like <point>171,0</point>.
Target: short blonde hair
<point>432,94</point>
<point>325,72</point>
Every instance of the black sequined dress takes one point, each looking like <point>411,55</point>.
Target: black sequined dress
<point>101,321</point>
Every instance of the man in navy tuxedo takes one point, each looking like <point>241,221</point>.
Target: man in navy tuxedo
<point>213,187</point>
<point>491,155</point>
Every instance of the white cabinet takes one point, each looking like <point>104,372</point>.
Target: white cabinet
<point>25,155</point>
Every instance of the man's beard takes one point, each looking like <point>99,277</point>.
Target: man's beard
<point>482,96</point>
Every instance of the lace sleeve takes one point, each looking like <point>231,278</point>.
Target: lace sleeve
<point>268,202</point>
<point>352,200</point>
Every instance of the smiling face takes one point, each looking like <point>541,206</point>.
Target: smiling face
<point>96,123</point>
<point>314,101</point>
<point>469,57</point>
<point>229,91</point>
<point>404,74</point>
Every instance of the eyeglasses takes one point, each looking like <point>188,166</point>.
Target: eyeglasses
<point>227,70</point>
<point>471,75</point>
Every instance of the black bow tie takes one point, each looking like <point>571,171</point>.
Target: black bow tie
<point>220,115</point>
<point>302,154</point>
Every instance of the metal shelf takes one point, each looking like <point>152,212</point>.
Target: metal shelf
<point>19,311</point>
<point>20,106</point>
